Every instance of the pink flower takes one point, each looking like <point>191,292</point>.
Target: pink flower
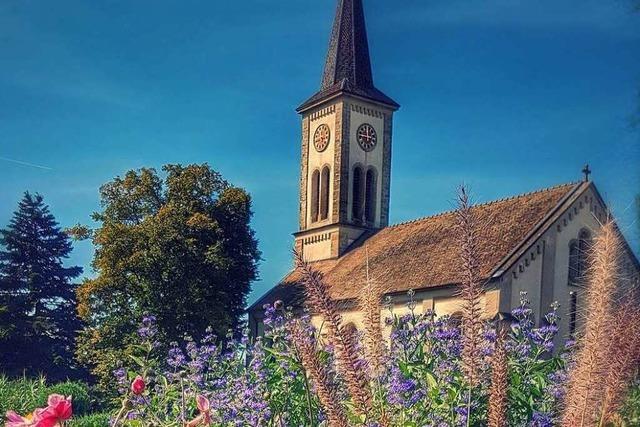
<point>46,422</point>
<point>138,385</point>
<point>59,410</point>
<point>15,420</point>
<point>60,406</point>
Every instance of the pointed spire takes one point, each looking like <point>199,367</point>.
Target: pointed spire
<point>348,65</point>
<point>348,56</point>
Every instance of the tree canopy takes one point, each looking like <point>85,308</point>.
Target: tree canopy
<point>179,247</point>
<point>38,321</point>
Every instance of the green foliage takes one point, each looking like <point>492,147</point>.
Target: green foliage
<point>531,372</point>
<point>631,410</point>
<point>290,391</point>
<point>93,420</point>
<point>79,391</point>
<point>179,247</point>
<point>37,299</point>
<point>24,395</point>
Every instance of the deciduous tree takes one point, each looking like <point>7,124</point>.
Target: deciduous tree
<point>179,247</point>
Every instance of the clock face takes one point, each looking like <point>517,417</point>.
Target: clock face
<point>321,137</point>
<point>367,137</point>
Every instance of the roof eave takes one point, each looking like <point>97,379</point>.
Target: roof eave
<point>316,100</point>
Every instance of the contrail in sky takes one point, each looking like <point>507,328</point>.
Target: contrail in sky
<point>19,162</point>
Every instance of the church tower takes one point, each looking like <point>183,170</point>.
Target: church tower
<point>346,145</point>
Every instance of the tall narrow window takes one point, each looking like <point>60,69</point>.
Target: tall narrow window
<point>573,314</point>
<point>324,193</point>
<point>578,258</point>
<point>356,206</point>
<point>584,249</point>
<point>574,261</point>
<point>315,193</point>
<point>370,196</point>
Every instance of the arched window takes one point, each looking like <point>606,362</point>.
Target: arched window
<point>370,195</point>
<point>315,193</point>
<point>358,196</point>
<point>324,193</point>
<point>578,258</point>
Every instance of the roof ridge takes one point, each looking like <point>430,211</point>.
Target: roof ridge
<point>489,203</point>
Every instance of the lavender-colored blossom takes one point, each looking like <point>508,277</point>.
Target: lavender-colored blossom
<point>256,382</point>
<point>540,419</point>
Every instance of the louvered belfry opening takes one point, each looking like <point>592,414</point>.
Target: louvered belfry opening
<point>358,196</point>
<point>370,196</point>
<point>324,193</point>
<point>315,194</point>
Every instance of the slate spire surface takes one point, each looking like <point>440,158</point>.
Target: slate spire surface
<point>348,65</point>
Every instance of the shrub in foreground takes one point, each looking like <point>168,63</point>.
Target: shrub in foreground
<point>24,395</point>
<point>93,420</point>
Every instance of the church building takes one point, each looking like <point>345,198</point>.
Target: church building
<point>534,242</point>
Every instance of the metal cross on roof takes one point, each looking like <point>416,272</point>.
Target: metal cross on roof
<point>586,171</point>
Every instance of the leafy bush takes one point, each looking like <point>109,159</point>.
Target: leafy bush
<point>631,409</point>
<point>93,420</point>
<point>79,391</point>
<point>23,395</point>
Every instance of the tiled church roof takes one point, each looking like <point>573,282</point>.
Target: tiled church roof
<point>423,253</point>
<point>348,65</point>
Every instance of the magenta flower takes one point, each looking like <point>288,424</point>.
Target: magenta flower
<point>138,385</point>
<point>59,409</point>
<point>15,420</point>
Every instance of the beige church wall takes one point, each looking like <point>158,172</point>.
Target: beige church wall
<point>452,306</point>
<point>442,301</point>
<point>360,113</point>
<point>316,160</point>
<point>489,301</point>
<point>316,246</point>
<point>528,278</point>
<point>630,272</point>
<point>582,215</point>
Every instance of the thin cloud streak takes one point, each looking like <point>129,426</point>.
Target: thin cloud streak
<point>20,162</point>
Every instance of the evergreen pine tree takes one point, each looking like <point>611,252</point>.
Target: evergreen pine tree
<point>38,320</point>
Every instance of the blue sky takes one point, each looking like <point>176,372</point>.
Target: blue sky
<point>508,96</point>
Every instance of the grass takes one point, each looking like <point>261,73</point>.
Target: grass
<point>23,395</point>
